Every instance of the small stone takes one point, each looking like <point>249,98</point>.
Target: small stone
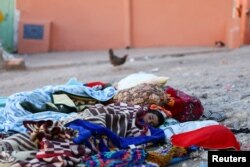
<point>218,84</point>
<point>206,87</point>
<point>204,96</point>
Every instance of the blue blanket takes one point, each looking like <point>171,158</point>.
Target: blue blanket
<point>87,129</point>
<point>12,115</point>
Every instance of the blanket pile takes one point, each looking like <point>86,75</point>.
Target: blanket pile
<point>95,124</point>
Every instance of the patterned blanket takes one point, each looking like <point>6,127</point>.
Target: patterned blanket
<point>16,148</point>
<point>57,150</point>
<point>120,118</point>
<point>56,154</point>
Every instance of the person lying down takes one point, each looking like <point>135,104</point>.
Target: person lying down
<point>129,124</point>
<point>123,119</point>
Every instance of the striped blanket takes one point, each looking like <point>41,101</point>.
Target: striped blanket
<point>17,147</point>
<point>120,118</point>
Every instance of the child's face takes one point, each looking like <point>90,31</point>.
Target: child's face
<point>151,119</point>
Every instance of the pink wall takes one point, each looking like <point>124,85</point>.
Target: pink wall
<point>78,24</point>
<point>96,24</point>
<point>180,22</point>
<point>245,20</point>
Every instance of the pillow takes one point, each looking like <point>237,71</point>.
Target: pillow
<point>142,94</point>
<point>210,137</point>
<point>138,78</point>
<point>183,107</point>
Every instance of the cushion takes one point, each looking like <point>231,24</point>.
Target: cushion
<point>183,107</point>
<point>139,78</point>
<point>142,94</point>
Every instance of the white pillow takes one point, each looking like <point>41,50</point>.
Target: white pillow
<point>139,78</point>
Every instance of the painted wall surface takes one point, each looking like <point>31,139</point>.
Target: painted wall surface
<point>78,24</point>
<point>243,7</point>
<point>7,25</point>
<point>180,22</point>
<point>95,24</point>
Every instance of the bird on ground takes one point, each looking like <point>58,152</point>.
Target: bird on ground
<point>116,60</point>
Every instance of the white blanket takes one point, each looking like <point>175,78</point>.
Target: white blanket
<point>185,127</point>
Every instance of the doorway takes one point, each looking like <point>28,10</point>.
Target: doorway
<point>7,8</point>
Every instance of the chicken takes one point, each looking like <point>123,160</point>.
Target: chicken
<point>115,60</point>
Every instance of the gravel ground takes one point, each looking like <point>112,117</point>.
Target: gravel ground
<point>219,78</point>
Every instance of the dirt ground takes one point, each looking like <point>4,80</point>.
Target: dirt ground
<point>220,78</point>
